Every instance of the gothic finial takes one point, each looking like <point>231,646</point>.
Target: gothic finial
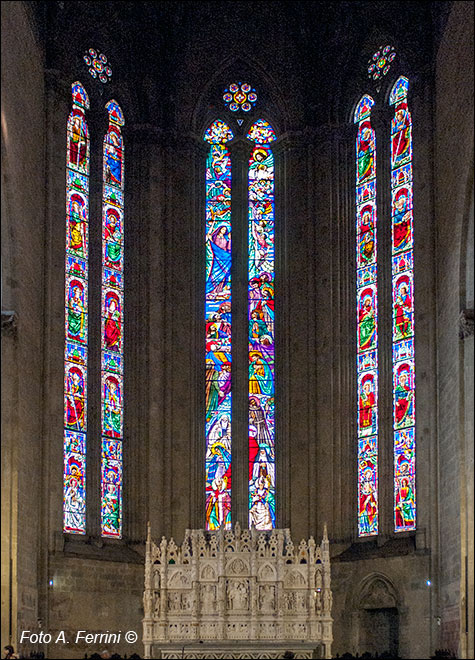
<point>325,532</point>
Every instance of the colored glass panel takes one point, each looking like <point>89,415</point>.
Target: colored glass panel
<point>76,315</point>
<point>112,325</point>
<point>403,311</point>
<point>218,335</point>
<point>261,260</point>
<point>240,96</point>
<point>97,65</point>
<point>380,63</point>
<point>367,320</point>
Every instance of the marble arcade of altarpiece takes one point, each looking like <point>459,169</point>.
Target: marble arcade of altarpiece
<point>237,594</point>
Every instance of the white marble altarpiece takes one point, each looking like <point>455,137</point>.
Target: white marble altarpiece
<point>237,594</point>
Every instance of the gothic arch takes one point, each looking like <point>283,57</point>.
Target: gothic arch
<point>234,68</point>
<point>376,590</point>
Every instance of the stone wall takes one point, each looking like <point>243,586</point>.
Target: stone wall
<point>453,146</point>
<point>23,205</point>
<point>94,596</point>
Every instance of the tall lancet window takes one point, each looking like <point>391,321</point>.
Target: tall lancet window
<point>261,328</point>
<point>403,311</point>
<point>367,320</point>
<point>76,315</point>
<point>218,328</point>
<point>112,346</point>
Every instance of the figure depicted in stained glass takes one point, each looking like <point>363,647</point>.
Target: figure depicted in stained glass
<point>112,322</point>
<point>75,390</point>
<point>261,379</point>
<point>401,135</point>
<point>76,312</point>
<point>262,503</point>
<point>368,508</point>
<point>74,505</point>
<point>218,376</point>
<point>405,509</point>
<point>218,504</point>
<point>261,239</point>
<point>111,510</point>
<point>402,221</point>
<point>113,239</point>
<point>365,156</point>
<point>218,270</point>
<point>259,332</point>
<point>77,142</point>
<point>366,320</point>
<point>112,407</point>
<point>264,464</point>
<point>113,160</point>
<point>402,308</point>
<point>258,418</point>
<point>77,226</point>
<point>403,398</point>
<point>261,297</point>
<point>366,242</point>
<point>220,431</point>
<point>367,402</point>
<point>217,327</point>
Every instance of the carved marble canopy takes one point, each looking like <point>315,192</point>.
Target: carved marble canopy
<point>225,590</point>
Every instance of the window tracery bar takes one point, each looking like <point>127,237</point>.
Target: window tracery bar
<point>261,275</point>
<point>367,320</point>
<point>112,346</point>
<point>76,315</point>
<point>218,440</point>
<point>403,310</point>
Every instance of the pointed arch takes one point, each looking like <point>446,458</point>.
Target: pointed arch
<point>76,314</point>
<point>261,276</point>
<point>367,319</point>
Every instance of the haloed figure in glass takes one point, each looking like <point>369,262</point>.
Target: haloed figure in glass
<point>402,216</point>
<point>366,321</point>
<point>75,418</point>
<point>368,505</point>
<point>77,227</point>
<point>113,239</point>
<point>112,408</point>
<point>367,412</point>
<point>403,309</point>
<point>77,143</point>
<point>403,398</point>
<point>76,313</point>
<point>112,323</point>
<point>365,152</point>
<point>113,161</point>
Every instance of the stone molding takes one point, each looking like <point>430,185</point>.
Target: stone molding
<point>227,585</point>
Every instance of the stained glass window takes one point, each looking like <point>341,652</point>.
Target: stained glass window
<point>403,310</point>
<point>380,63</point>
<point>76,315</point>
<point>261,328</point>
<point>112,343</point>
<point>367,320</point>
<point>97,65</point>
<point>218,327</point>
<point>240,96</point>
